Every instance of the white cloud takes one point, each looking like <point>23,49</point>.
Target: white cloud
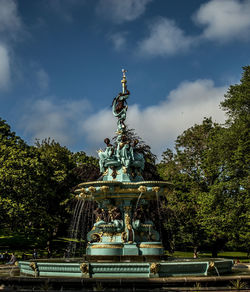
<point>10,21</point>
<point>11,29</point>
<point>121,11</point>
<point>42,79</point>
<point>60,121</point>
<point>4,67</point>
<point>165,38</point>
<point>118,40</point>
<point>159,125</point>
<point>224,20</point>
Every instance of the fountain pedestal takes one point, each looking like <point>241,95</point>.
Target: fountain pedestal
<point>123,225</point>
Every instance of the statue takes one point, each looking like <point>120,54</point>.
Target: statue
<point>119,109</point>
<point>105,155</point>
<point>123,160</point>
<point>119,104</point>
<point>123,152</point>
<point>108,220</point>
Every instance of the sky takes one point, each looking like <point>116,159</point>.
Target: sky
<point>61,62</point>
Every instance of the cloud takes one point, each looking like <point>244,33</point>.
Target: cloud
<point>118,40</point>
<point>45,118</point>
<point>165,38</point>
<point>224,20</point>
<point>42,79</point>
<point>64,8</point>
<point>160,124</point>
<point>120,11</point>
<point>4,67</point>
<point>11,30</point>
<point>10,22</point>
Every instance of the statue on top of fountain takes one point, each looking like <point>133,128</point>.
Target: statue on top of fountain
<point>123,161</point>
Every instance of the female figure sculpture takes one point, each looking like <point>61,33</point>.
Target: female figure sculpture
<point>105,155</point>
<point>119,109</point>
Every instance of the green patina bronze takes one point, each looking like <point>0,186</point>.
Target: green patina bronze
<point>123,241</point>
<point>123,224</point>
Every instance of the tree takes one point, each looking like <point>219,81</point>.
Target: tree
<point>21,173</point>
<point>236,157</point>
<point>86,169</point>
<point>37,182</point>
<point>210,171</point>
<point>186,170</point>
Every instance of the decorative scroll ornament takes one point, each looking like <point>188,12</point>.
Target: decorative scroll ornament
<point>211,266</point>
<point>107,246</point>
<point>104,189</point>
<point>92,189</point>
<point>96,237</point>
<point>142,189</point>
<point>156,189</point>
<point>34,267</point>
<point>145,245</point>
<point>124,236</point>
<point>84,268</point>
<point>154,268</point>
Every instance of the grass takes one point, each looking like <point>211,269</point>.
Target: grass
<point>20,243</point>
<point>234,255</point>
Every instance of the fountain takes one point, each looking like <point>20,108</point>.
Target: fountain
<point>123,241</point>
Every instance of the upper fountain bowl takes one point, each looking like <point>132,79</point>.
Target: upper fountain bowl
<point>99,190</point>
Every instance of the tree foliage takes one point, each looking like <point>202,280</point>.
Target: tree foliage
<point>210,171</point>
<point>36,183</point>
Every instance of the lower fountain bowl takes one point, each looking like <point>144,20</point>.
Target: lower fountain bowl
<point>147,269</point>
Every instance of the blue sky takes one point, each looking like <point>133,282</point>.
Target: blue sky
<point>61,61</point>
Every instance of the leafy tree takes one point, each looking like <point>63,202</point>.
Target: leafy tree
<point>58,162</point>
<point>185,169</point>
<point>210,171</point>
<point>236,157</point>
<point>21,174</point>
<point>86,169</point>
<point>36,183</point>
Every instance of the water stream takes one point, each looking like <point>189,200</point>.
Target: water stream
<point>138,200</point>
<point>74,227</point>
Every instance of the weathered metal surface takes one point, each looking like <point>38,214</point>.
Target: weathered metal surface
<point>160,269</point>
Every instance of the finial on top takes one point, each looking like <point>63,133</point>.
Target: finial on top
<point>124,81</point>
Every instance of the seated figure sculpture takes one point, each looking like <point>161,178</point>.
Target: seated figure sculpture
<point>123,152</point>
<point>109,221</point>
<point>105,155</point>
<point>142,224</point>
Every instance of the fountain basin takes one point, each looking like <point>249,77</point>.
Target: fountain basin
<point>100,190</point>
<point>148,269</point>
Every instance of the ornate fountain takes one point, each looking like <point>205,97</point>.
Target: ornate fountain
<point>123,241</point>
<point>123,226</point>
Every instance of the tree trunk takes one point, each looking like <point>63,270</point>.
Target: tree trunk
<point>214,251</point>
